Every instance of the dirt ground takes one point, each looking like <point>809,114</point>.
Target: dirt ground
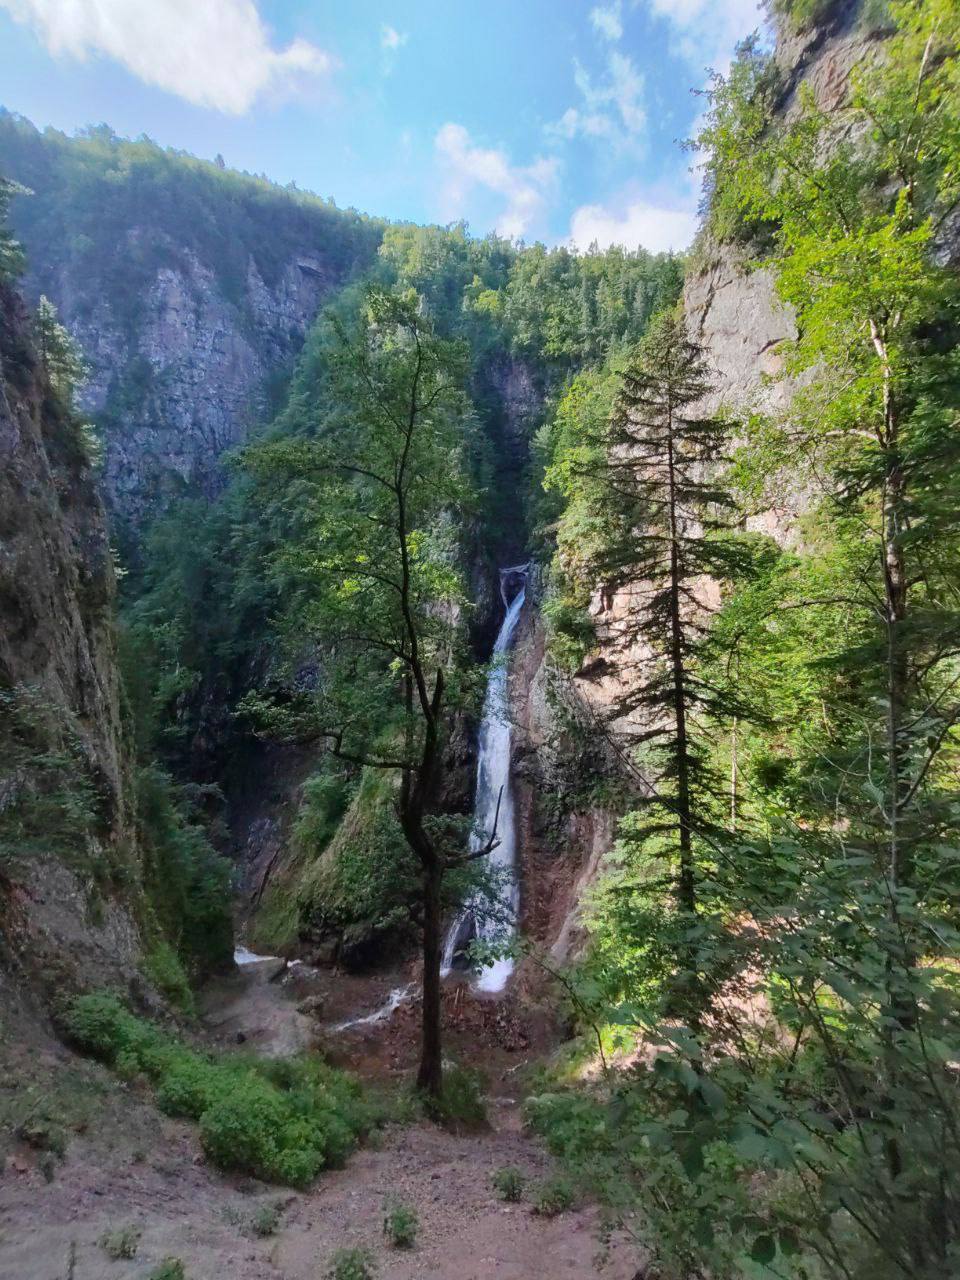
<point>127,1165</point>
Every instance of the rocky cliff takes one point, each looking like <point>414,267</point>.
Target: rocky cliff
<point>68,871</point>
<point>189,286</point>
<point>730,303</point>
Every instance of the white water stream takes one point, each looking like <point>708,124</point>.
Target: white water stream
<point>493,804</point>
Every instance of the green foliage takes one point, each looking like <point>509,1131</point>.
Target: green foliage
<point>553,1197</point>
<point>800,15</point>
<point>352,1264</point>
<point>461,1105</point>
<point>121,1243</point>
<point>364,883</point>
<point>162,966</point>
<point>60,354</point>
<point>804,1121</point>
<point>509,1183</point>
<point>400,1224</point>
<point>168,1269</point>
<point>570,310</point>
<point>283,1121</point>
<point>265,1220</point>
<point>11,254</point>
<point>55,802</point>
<point>187,882</point>
<point>94,188</point>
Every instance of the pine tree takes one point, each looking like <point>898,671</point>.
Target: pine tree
<point>11,255</point>
<point>661,512</point>
<point>60,353</point>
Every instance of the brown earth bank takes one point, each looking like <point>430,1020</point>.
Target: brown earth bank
<point>126,1165</point>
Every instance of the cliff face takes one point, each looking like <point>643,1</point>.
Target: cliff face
<point>65,827</point>
<point>732,309</point>
<point>194,377</point>
<point>189,286</point>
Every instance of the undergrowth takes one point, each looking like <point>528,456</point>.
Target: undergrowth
<point>279,1119</point>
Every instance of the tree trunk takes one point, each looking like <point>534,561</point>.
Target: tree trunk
<point>430,1074</point>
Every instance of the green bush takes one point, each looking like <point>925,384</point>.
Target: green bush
<point>351,1264</point>
<point>266,1219</point>
<point>169,1269</point>
<point>280,1121</point>
<point>400,1224</point>
<point>508,1184</point>
<point>122,1243</point>
<point>555,1196</point>
<point>461,1104</point>
<point>162,966</point>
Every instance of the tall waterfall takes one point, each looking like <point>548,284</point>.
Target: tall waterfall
<point>493,789</point>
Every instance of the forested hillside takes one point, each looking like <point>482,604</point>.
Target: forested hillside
<point>548,657</point>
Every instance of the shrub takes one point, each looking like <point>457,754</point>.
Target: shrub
<point>122,1243</point>
<point>555,1196</point>
<point>283,1122</point>
<point>169,1269</point>
<point>162,966</point>
<point>352,1264</point>
<point>266,1219</point>
<point>400,1224</point>
<point>45,1136</point>
<point>188,1087</point>
<point>508,1184</point>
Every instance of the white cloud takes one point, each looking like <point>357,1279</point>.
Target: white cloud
<point>641,224</point>
<point>213,53</point>
<point>705,32</point>
<point>613,110</point>
<point>606,19</point>
<point>466,166</point>
<point>391,38</point>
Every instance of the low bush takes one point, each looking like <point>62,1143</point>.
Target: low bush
<point>351,1264</point>
<point>169,1269</point>
<point>555,1196</point>
<point>508,1184</point>
<point>400,1224</point>
<point>280,1121</point>
<point>162,966</point>
<point>266,1219</point>
<point>122,1243</point>
<point>461,1104</point>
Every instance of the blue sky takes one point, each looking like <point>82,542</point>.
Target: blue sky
<point>543,120</point>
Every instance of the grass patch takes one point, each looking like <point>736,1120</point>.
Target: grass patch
<point>280,1120</point>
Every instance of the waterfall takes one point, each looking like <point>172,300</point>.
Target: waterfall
<point>493,790</point>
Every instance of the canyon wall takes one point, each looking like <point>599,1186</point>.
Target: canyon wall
<point>189,286</point>
<point>68,866</point>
